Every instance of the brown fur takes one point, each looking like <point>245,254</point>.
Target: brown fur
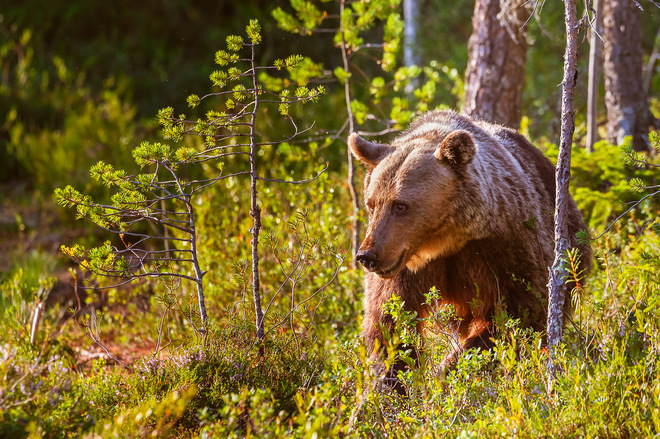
<point>465,206</point>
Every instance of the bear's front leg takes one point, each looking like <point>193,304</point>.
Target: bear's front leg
<point>479,336</point>
<point>375,323</point>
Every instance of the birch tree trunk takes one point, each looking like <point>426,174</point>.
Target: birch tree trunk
<point>556,283</point>
<point>495,75</point>
<point>411,20</point>
<point>650,71</point>
<point>594,77</point>
<point>410,52</point>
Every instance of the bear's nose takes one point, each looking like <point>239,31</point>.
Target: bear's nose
<point>368,258</point>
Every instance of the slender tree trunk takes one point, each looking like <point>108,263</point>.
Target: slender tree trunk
<point>411,20</point>
<point>495,75</point>
<point>628,113</point>
<point>556,283</point>
<point>410,52</point>
<point>199,274</point>
<point>594,77</point>
<point>351,129</point>
<point>255,210</point>
<point>650,67</point>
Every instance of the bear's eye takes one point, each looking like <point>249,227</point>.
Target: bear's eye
<point>370,207</point>
<point>399,207</point>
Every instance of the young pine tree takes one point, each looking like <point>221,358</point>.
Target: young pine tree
<point>164,196</point>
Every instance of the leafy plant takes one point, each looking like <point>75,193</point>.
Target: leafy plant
<point>389,104</point>
<point>165,197</point>
<point>607,179</point>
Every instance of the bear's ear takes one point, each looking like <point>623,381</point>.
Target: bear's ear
<point>457,149</point>
<point>368,153</point>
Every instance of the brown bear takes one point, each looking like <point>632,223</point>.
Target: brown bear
<point>467,207</point>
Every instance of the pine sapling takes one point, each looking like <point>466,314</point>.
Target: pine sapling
<point>164,197</point>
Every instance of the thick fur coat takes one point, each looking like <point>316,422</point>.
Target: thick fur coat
<point>464,206</point>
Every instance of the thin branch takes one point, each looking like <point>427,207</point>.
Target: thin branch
<point>135,277</point>
<point>636,203</point>
<point>96,339</point>
<point>291,137</point>
<point>378,133</point>
<point>322,288</point>
<point>275,180</point>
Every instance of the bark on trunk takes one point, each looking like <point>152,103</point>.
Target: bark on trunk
<point>355,239</point>
<point>556,283</point>
<point>255,211</point>
<point>411,18</point>
<point>495,74</point>
<point>628,113</point>
<point>650,70</point>
<point>594,76</point>
<point>410,54</point>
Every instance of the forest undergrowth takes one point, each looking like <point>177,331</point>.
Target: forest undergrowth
<point>136,360</point>
<point>319,383</point>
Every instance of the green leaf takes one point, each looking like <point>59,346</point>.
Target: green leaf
<point>239,93</point>
<point>233,73</point>
<point>351,32</point>
<point>271,83</point>
<point>234,43</point>
<point>377,88</point>
<point>69,197</point>
<point>400,112</point>
<point>219,78</point>
<point>107,174</point>
<point>341,74</point>
<point>360,111</point>
<point>287,21</point>
<point>149,153</point>
<point>222,57</point>
<point>185,154</point>
<point>392,41</point>
<point>193,101</point>
<point>173,128</point>
<point>308,17</point>
<point>302,69</point>
<point>291,62</point>
<point>254,31</point>
<point>636,184</point>
<point>284,106</point>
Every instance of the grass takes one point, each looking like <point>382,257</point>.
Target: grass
<point>312,376</point>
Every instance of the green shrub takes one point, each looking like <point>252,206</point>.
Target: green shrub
<point>602,183</point>
<point>227,364</point>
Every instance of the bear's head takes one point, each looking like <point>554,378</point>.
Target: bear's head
<point>414,194</point>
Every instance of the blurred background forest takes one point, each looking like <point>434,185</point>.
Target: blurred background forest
<point>83,81</point>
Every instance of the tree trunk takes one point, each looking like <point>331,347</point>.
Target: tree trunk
<point>628,113</point>
<point>410,52</point>
<point>411,19</point>
<point>355,238</point>
<point>255,210</point>
<point>556,283</point>
<point>594,77</point>
<point>650,67</point>
<point>497,49</point>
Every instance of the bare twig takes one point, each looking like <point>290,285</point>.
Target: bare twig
<point>94,333</point>
<point>635,204</point>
